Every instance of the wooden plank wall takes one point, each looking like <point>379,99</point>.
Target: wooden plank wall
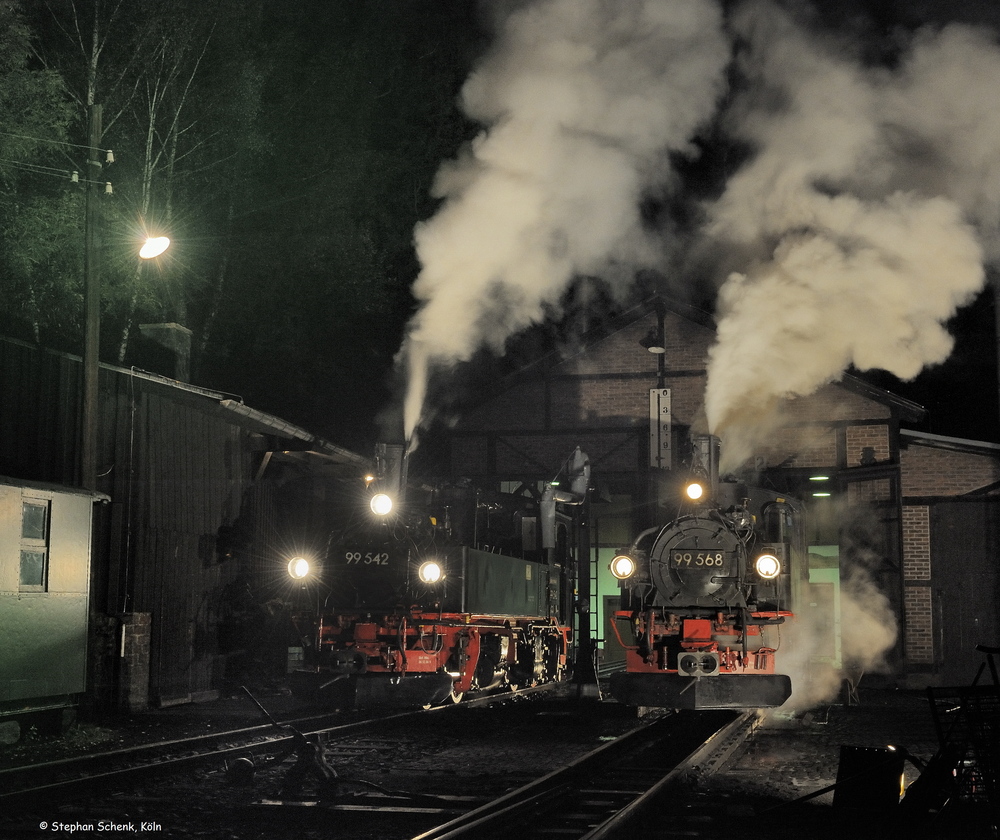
<point>177,470</point>
<point>185,474</point>
<point>39,405</point>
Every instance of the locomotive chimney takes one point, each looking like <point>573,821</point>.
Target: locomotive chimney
<point>706,453</point>
<point>390,470</point>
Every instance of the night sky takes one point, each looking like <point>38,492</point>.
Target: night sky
<point>363,196</point>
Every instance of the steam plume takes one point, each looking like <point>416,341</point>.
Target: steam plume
<point>581,102</point>
<point>857,214</point>
<point>867,621</point>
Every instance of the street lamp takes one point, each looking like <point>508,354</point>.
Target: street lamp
<point>153,247</point>
<point>92,304</point>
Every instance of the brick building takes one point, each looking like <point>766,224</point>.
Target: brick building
<point>907,519</point>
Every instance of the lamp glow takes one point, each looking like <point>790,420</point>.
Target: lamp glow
<point>298,568</point>
<point>694,491</point>
<point>153,247</point>
<point>622,567</point>
<point>767,566</point>
<point>430,572</point>
<point>381,504</point>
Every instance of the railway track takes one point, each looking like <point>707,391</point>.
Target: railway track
<point>77,776</point>
<point>606,792</point>
<point>396,775</point>
<point>80,776</point>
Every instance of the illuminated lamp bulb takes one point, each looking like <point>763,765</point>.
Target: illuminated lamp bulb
<point>767,566</point>
<point>622,566</point>
<point>430,572</point>
<point>153,247</point>
<point>298,568</point>
<point>694,491</point>
<point>381,504</point>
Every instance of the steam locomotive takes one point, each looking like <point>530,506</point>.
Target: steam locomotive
<point>703,597</point>
<point>442,590</point>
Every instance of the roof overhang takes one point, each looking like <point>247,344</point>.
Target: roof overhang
<point>977,447</point>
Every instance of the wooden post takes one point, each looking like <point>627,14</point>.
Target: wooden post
<point>92,307</point>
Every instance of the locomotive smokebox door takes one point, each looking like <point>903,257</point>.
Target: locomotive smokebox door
<point>695,560</point>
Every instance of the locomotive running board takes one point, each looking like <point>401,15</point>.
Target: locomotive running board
<point>385,691</point>
<point>371,690</point>
<point>672,691</point>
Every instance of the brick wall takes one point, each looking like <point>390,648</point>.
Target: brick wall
<point>919,618</point>
<point>598,402</point>
<point>834,402</point>
<point>928,471</point>
<point>931,471</point>
<point>867,443</point>
<point>919,638</point>
<point>916,543</point>
<point>803,446</point>
<point>133,681</point>
<point>876,490</point>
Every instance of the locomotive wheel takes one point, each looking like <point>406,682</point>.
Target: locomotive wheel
<point>455,696</point>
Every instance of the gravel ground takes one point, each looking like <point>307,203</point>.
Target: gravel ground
<point>473,751</point>
<point>774,777</point>
<point>762,789</point>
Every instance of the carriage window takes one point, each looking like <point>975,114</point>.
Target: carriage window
<point>34,546</point>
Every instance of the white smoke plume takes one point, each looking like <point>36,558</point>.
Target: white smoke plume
<point>581,102</point>
<point>861,214</point>
<point>864,622</point>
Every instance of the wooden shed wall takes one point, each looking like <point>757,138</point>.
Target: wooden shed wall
<point>181,473</point>
<point>178,469</point>
<point>39,405</point>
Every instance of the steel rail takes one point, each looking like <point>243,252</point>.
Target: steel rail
<point>152,762</point>
<point>604,790</point>
<point>632,812</point>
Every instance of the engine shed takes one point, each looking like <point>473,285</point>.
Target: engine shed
<point>901,523</point>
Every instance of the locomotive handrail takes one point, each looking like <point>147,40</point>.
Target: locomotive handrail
<point>614,619</point>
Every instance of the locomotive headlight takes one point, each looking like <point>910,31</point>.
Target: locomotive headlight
<point>381,504</point>
<point>767,566</point>
<point>298,568</point>
<point>430,572</point>
<point>694,490</point>
<point>622,566</point>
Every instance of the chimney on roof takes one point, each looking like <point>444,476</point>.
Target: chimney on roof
<point>175,338</point>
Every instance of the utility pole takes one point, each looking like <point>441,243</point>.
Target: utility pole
<point>92,307</point>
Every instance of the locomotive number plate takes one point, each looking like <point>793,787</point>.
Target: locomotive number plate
<point>366,558</point>
<point>682,558</point>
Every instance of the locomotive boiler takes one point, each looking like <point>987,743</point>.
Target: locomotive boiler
<point>704,597</point>
<point>448,590</point>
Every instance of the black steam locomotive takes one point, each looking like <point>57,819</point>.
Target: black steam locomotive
<point>703,597</point>
<point>447,590</point>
